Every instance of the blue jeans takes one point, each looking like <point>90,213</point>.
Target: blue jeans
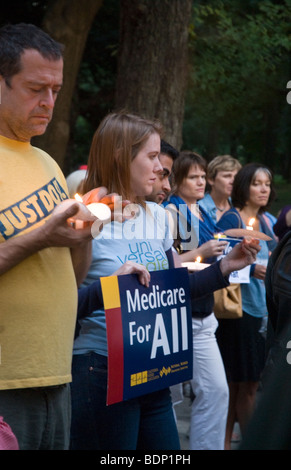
<point>145,422</point>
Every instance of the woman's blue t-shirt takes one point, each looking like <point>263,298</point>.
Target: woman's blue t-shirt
<point>254,293</point>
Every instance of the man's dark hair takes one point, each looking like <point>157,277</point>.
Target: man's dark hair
<point>15,39</point>
<point>167,149</point>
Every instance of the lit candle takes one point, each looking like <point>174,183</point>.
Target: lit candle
<point>196,265</point>
<point>97,209</point>
<point>251,223</point>
<point>217,236</point>
<point>83,213</point>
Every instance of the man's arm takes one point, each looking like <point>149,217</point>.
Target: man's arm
<point>54,232</point>
<point>81,258</point>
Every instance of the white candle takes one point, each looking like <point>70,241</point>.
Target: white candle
<point>99,210</point>
<point>198,266</point>
<point>195,265</point>
<point>83,213</point>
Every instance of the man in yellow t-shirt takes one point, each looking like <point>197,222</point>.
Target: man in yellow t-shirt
<point>38,290</point>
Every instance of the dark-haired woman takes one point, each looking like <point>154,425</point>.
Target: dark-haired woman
<point>241,341</point>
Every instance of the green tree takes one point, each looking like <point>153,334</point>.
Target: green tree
<point>240,64</point>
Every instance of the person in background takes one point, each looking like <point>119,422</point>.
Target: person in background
<point>283,223</point>
<point>160,192</point>
<point>124,157</point>
<point>209,385</point>
<point>8,439</point>
<point>270,427</point>
<point>221,172</point>
<point>74,182</point>
<point>38,289</point>
<point>241,341</point>
<point>162,185</point>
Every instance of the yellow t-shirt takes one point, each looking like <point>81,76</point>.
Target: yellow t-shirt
<point>38,297</point>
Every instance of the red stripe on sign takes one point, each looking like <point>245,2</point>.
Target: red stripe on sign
<point>115,355</point>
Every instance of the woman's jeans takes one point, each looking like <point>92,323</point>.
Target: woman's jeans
<point>145,422</point>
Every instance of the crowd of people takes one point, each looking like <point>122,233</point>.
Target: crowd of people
<point>54,355</point>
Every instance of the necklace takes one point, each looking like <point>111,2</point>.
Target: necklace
<point>223,209</point>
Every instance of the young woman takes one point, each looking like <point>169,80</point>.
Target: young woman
<point>124,157</point>
<point>241,341</point>
<point>209,385</point>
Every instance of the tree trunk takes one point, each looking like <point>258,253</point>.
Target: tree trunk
<point>67,21</point>
<point>153,61</point>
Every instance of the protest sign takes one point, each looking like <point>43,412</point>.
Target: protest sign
<point>149,333</point>
<point>241,276</point>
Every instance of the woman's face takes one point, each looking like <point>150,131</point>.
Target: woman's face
<point>192,187</point>
<point>260,190</point>
<point>223,182</point>
<point>145,166</point>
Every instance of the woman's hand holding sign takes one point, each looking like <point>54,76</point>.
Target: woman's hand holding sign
<point>134,268</point>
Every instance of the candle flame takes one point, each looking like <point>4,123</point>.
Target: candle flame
<point>78,197</point>
<point>198,259</point>
<point>252,221</point>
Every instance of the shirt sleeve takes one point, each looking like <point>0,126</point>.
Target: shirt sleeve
<point>90,298</point>
<point>207,281</point>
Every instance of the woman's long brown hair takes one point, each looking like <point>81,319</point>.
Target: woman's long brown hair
<point>116,142</point>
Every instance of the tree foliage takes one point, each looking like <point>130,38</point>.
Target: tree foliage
<point>236,102</point>
<point>240,65</point>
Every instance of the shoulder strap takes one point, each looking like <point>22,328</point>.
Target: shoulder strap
<point>233,211</point>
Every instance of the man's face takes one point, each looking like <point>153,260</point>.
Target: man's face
<point>27,102</point>
<point>162,185</point>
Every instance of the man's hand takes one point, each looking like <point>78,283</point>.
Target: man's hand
<point>57,231</point>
